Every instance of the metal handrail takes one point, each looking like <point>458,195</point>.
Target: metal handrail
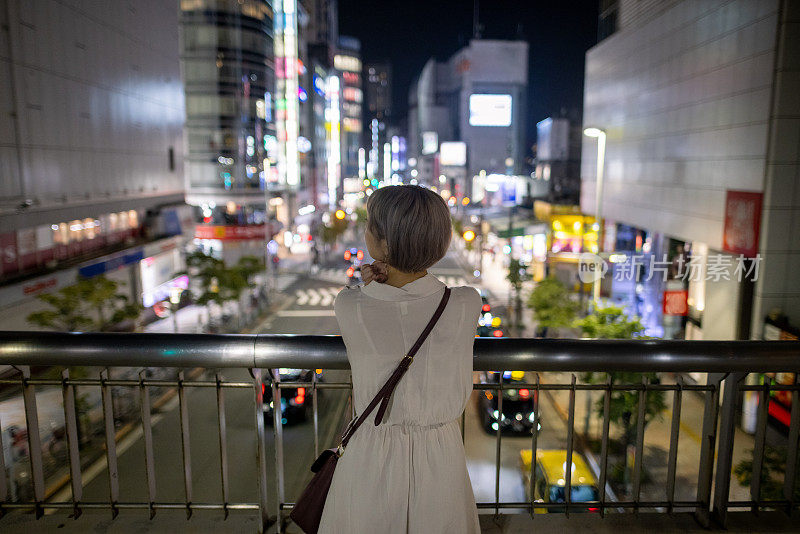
<point>284,350</point>
<point>726,362</point>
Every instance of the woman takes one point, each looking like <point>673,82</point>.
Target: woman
<point>408,474</point>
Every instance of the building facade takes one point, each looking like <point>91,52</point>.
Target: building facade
<point>229,72</point>
<point>476,97</point>
<point>557,176</point>
<point>347,62</point>
<point>699,103</point>
<point>91,148</point>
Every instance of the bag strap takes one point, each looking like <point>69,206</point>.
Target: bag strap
<point>385,393</point>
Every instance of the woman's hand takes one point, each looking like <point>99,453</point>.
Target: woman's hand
<point>376,271</point>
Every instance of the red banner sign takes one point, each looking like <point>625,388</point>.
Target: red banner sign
<point>742,222</point>
<point>676,302</point>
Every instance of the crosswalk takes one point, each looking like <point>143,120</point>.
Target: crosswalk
<point>319,296</point>
<point>338,276</point>
<point>324,296</point>
<point>452,281</point>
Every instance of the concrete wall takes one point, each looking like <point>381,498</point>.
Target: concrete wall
<point>778,285</point>
<point>684,97</point>
<point>97,93</point>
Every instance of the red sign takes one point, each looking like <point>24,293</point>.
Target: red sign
<point>676,302</point>
<point>742,222</point>
<point>229,233</point>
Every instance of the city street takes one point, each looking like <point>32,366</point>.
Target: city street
<point>307,308</point>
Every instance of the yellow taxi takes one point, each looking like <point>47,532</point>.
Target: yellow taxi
<point>551,468</point>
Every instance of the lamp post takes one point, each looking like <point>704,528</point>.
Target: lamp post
<point>601,157</point>
<point>175,299</point>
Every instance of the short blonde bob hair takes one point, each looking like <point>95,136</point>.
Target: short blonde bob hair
<point>414,221</point>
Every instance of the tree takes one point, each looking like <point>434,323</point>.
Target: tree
<point>330,232</point>
<point>361,216</point>
<point>774,463</point>
<point>552,306</point>
<point>611,322</point>
<point>517,275</point>
<point>219,283</point>
<point>89,305</point>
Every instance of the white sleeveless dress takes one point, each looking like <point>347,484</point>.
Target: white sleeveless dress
<point>408,474</point>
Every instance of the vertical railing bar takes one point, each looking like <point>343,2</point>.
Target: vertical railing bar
<point>534,443</point>
<point>727,430</point>
<point>570,447</point>
<point>187,455</point>
<point>34,439</point>
<point>793,444</point>
<point>604,445</point>
<point>147,434</point>
<point>261,453</point>
<point>111,445</point>
<point>639,451</point>
<point>708,444</point>
<point>758,444</point>
<point>71,424</point>
<point>498,443</point>
<point>277,429</point>
<point>674,434</point>
<point>4,486</point>
<point>315,411</point>
<point>223,442</point>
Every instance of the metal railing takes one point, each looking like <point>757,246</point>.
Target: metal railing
<point>726,365</point>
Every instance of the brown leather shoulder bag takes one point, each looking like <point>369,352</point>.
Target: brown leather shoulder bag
<point>307,511</point>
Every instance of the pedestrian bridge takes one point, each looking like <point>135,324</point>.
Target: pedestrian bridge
<point>50,495</point>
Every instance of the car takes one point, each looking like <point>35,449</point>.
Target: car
<point>354,257</point>
<point>488,325</point>
<point>518,415</point>
<point>295,402</point>
<point>550,479</point>
<point>353,275</point>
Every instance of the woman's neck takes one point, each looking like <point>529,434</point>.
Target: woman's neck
<point>399,278</point>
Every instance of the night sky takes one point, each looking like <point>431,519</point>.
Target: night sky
<point>409,32</point>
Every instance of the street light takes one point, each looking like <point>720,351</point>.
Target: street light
<point>175,300</point>
<point>598,212</point>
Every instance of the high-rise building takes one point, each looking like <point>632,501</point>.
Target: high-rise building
<point>91,150</point>
<point>699,109</point>
<point>557,176</point>
<point>477,98</point>
<point>232,149</point>
<point>347,61</point>
<point>377,113</point>
<point>378,87</point>
<point>317,45</point>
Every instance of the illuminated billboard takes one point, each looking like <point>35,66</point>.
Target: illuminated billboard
<point>453,153</point>
<point>490,110</point>
<point>430,142</point>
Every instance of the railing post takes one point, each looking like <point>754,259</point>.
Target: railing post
<point>707,447</point>
<point>261,455</point>
<point>727,429</point>
<point>792,446</point>
<point>277,432</point>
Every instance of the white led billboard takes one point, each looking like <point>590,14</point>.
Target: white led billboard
<point>430,142</point>
<point>490,110</point>
<point>453,153</point>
